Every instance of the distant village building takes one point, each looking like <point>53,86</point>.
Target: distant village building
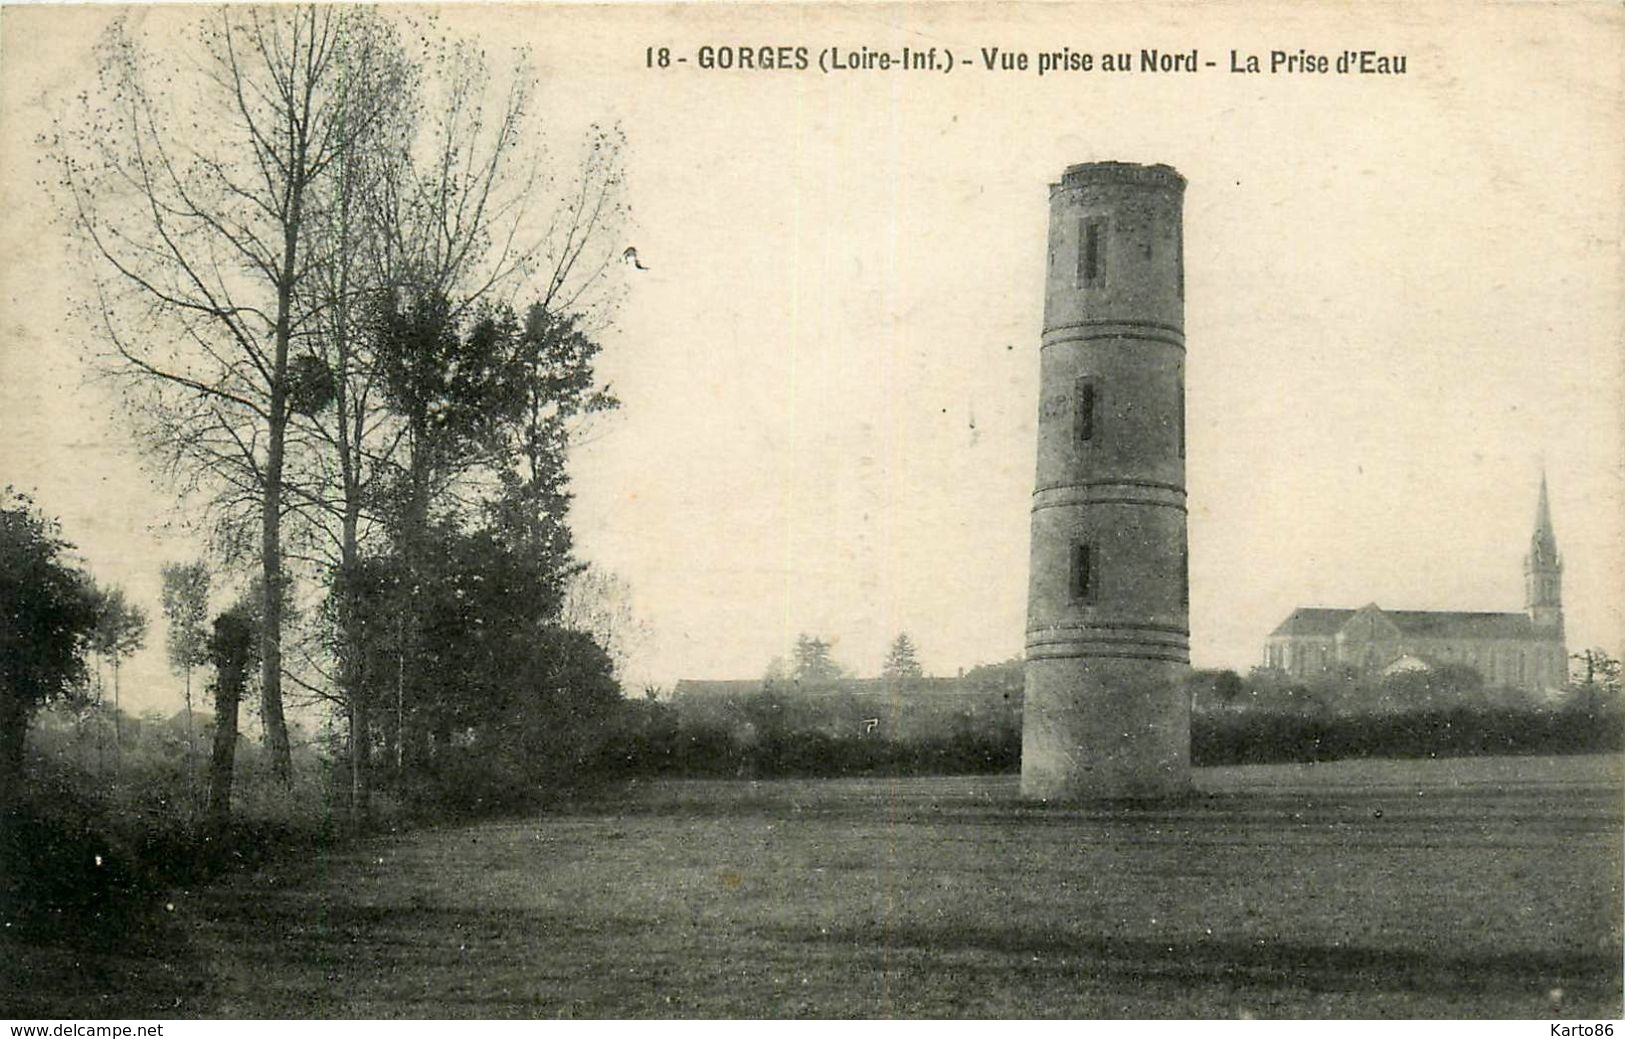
<point>1517,650</point>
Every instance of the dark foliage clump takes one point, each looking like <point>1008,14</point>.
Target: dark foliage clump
<point>1270,737</point>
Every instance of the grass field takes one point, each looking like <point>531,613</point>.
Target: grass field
<point>1482,887</point>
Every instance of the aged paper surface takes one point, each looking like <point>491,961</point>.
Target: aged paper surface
<point>1402,306</point>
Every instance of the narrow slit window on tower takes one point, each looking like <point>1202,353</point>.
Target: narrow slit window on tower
<point>1091,251</point>
<point>1083,572</point>
<point>1083,415</point>
<point>1179,260</point>
<point>1179,414</point>
<point>1185,577</point>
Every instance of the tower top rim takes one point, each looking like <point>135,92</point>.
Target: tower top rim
<point>1082,173</point>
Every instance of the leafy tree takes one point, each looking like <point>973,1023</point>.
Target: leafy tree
<point>48,614</point>
<point>811,661</point>
<point>364,608</point>
<point>186,612</point>
<point>446,389</point>
<point>553,388</point>
<point>564,703</point>
<point>487,413</point>
<point>1214,689</point>
<point>497,697</point>
<point>901,660</point>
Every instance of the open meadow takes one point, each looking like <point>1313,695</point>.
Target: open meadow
<point>1484,887</point>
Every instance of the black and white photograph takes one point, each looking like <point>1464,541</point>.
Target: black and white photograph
<point>711,511</point>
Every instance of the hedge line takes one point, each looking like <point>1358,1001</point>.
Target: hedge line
<point>1219,738</point>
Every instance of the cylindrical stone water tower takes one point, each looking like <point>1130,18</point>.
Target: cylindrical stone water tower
<point>1106,713</point>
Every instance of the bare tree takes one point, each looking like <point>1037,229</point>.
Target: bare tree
<point>200,204</point>
<point>599,603</point>
<point>483,211</point>
<point>448,198</point>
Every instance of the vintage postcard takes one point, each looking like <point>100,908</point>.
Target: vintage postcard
<point>832,510</point>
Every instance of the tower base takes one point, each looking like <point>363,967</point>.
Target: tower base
<point>1098,729</point>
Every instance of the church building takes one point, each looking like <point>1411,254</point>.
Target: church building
<point>1517,650</point>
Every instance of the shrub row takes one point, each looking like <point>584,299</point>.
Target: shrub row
<point>76,860</point>
<point>712,753</point>
<point>1217,738</point>
<point>1266,737</point>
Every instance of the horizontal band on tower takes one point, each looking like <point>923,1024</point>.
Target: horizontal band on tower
<point>1110,492</point>
<point>1086,648</point>
<point>1163,643</point>
<point>1083,644</point>
<point>1051,653</point>
<point>1086,638</point>
<point>1041,506</point>
<point>1119,322</point>
<point>1150,485</point>
<point>1166,629</point>
<point>1090,337</point>
<point>1100,331</point>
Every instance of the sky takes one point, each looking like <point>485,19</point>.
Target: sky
<point>1403,301</point>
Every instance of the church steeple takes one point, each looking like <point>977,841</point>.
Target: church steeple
<point>1543,569</point>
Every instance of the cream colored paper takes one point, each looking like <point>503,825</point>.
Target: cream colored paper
<point>1403,300</point>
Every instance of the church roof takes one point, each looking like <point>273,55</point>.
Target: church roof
<point>1427,624</point>
<point>1312,620</point>
<point>1453,624</point>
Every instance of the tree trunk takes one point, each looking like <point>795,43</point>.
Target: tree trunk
<point>391,729</point>
<point>360,793</point>
<point>191,746</point>
<point>276,727</point>
<point>101,728</point>
<point>118,723</point>
<point>410,704</point>
<point>226,698</point>
<point>191,728</point>
<point>352,686</point>
<point>352,679</point>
